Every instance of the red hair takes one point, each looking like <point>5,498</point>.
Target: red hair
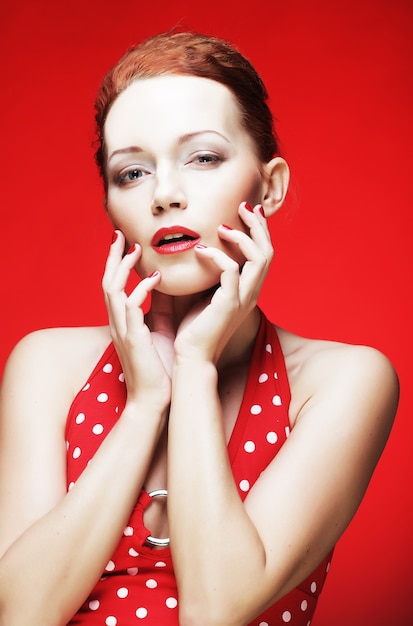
<point>191,54</point>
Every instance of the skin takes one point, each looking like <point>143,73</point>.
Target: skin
<point>189,357</point>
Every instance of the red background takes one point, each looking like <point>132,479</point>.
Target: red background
<point>340,79</point>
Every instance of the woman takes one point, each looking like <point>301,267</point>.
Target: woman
<point>210,461</point>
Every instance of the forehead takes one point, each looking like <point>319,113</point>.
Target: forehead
<point>172,105</point>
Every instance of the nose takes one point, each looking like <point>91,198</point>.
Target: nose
<point>169,192</point>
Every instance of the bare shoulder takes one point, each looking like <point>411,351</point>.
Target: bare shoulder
<point>43,374</point>
<point>62,356</point>
<point>319,369</point>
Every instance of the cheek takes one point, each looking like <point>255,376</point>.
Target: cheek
<point>121,216</point>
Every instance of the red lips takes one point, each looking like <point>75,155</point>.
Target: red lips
<point>174,239</point>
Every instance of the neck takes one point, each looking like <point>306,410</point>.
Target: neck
<point>238,349</point>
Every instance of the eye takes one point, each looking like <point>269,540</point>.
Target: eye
<point>206,159</point>
<point>130,175</point>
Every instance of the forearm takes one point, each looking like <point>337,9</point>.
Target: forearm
<point>57,561</point>
<point>216,548</point>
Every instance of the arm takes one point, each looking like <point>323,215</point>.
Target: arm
<point>232,560</point>
<point>54,545</point>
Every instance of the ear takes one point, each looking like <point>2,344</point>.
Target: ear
<point>276,176</point>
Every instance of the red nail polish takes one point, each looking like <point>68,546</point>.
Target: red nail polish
<point>132,249</point>
<point>248,207</point>
<point>153,274</point>
<point>226,227</point>
<point>115,235</point>
<point>262,211</point>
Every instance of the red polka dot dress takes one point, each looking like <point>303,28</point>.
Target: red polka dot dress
<point>138,585</point>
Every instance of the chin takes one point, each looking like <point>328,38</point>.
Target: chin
<point>187,285</point>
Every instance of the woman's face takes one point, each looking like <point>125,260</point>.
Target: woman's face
<point>178,159</point>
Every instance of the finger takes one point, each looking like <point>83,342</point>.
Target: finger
<point>257,224</point>
<point>230,269</point>
<point>134,315</point>
<point>254,253</point>
<point>117,271</point>
<point>258,258</point>
<point>120,268</point>
<point>114,256</point>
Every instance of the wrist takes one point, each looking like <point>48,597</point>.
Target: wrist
<point>191,366</point>
<point>149,411</point>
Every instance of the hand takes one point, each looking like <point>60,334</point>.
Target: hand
<point>145,356</point>
<point>208,327</point>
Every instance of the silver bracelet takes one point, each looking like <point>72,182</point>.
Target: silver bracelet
<point>158,541</point>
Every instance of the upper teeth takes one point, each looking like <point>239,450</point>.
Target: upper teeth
<point>174,236</point>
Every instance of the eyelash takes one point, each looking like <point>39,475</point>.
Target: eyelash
<point>209,158</point>
<point>204,160</point>
<point>123,177</point>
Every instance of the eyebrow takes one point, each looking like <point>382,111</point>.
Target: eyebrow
<point>182,139</point>
<point>189,136</point>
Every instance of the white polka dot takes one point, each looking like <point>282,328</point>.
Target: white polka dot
<point>276,401</point>
<point>256,409</point>
<point>128,532</point>
<point>286,616</point>
<point>94,605</point>
<point>276,375</point>
<point>304,605</point>
<point>80,418</point>
<point>122,592</point>
<point>70,486</point>
<point>121,377</point>
<point>160,564</point>
<point>141,613</point>
<point>263,378</point>
<point>151,583</point>
<point>132,552</point>
<point>268,348</point>
<point>249,446</point>
<point>111,621</point>
<point>97,429</point>
<point>67,445</point>
<point>263,624</point>
<point>171,603</point>
<point>272,437</point>
<point>86,387</point>
<point>328,567</point>
<point>76,453</point>
<point>117,409</point>
<point>108,368</point>
<point>102,397</point>
<point>110,566</point>
<point>132,571</point>
<point>313,587</point>
<point>244,485</point>
<point>287,431</point>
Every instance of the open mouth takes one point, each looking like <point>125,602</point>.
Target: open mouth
<point>174,239</point>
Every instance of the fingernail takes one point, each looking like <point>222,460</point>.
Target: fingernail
<point>200,246</point>
<point>226,227</point>
<point>132,249</point>
<point>153,274</point>
<point>262,211</point>
<point>115,235</point>
<point>248,207</point>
